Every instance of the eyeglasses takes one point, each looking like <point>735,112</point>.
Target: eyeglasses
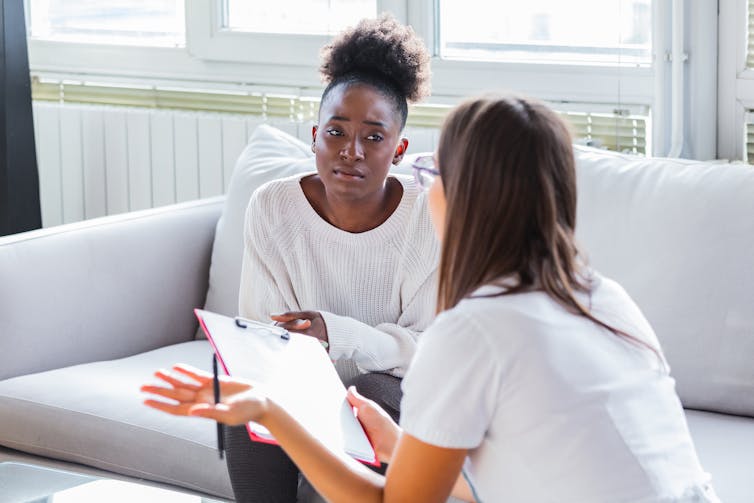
<point>425,171</point>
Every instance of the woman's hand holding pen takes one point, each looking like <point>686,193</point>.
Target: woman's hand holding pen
<point>308,323</point>
<point>239,404</point>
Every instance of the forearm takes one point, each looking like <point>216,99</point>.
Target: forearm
<point>337,478</point>
<point>461,489</point>
<point>387,347</point>
<point>350,477</point>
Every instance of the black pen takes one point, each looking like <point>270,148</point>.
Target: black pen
<point>216,386</point>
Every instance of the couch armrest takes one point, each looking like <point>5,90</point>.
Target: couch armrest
<point>104,288</point>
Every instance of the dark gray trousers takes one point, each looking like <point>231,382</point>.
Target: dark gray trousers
<point>263,473</point>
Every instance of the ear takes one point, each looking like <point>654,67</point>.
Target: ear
<point>400,150</point>
<point>314,135</point>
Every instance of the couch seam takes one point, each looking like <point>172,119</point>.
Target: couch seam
<point>89,414</point>
<point>176,482</point>
<point>114,219</point>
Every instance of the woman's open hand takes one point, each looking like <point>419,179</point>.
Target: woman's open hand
<point>381,429</point>
<point>239,402</point>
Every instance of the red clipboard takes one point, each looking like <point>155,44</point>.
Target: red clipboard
<point>296,372</point>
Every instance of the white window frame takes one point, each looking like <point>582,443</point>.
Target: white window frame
<point>165,65</point>
<point>212,54</point>
<point>735,81</point>
<point>207,39</point>
<point>604,86</point>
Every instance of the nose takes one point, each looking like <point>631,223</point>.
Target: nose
<point>352,151</point>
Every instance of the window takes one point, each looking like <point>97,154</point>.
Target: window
<point>137,22</point>
<point>548,31</point>
<point>750,34</point>
<point>748,153</point>
<point>595,56</point>
<point>259,31</point>
<point>313,17</point>
<point>735,122</point>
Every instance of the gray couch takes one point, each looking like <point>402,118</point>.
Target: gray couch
<point>89,310</point>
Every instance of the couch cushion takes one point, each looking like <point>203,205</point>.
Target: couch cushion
<point>92,414</point>
<point>270,154</point>
<point>68,293</point>
<point>679,236</point>
<point>725,445</point>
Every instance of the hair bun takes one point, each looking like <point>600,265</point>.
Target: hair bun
<point>382,48</point>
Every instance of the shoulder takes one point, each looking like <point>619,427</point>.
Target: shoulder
<point>454,340</point>
<point>420,235</point>
<point>607,297</point>
<point>271,192</point>
<point>608,288</point>
<point>489,301</point>
<point>500,323</point>
<point>274,200</point>
<point>611,303</point>
<point>412,194</point>
<point>461,327</point>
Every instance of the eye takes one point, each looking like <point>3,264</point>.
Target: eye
<point>334,132</point>
<point>375,137</point>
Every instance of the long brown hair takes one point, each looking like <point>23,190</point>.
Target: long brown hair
<point>509,176</point>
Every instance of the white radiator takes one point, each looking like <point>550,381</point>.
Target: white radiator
<point>99,160</point>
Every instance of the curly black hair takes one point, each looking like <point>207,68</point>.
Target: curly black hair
<point>381,53</point>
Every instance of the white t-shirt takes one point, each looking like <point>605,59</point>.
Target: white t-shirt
<point>553,407</point>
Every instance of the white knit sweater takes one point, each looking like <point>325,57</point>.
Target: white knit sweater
<point>375,290</point>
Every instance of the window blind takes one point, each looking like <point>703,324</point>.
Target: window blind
<point>617,131</point>
<point>749,137</point>
<point>620,130</point>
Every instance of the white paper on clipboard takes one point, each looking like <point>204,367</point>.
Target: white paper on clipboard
<point>296,373</point>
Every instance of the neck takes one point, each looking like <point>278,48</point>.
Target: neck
<point>355,215</point>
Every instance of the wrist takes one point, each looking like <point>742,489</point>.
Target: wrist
<point>325,337</point>
<point>396,435</point>
<point>321,332</point>
<point>270,411</point>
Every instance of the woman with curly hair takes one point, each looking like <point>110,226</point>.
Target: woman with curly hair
<point>348,254</point>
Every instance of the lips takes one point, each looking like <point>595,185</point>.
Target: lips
<point>348,173</point>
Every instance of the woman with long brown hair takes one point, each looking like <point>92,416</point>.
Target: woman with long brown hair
<point>540,380</point>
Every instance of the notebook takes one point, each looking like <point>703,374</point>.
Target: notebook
<point>295,371</point>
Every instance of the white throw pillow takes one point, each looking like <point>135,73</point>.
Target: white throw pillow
<point>679,236</point>
<point>270,154</point>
